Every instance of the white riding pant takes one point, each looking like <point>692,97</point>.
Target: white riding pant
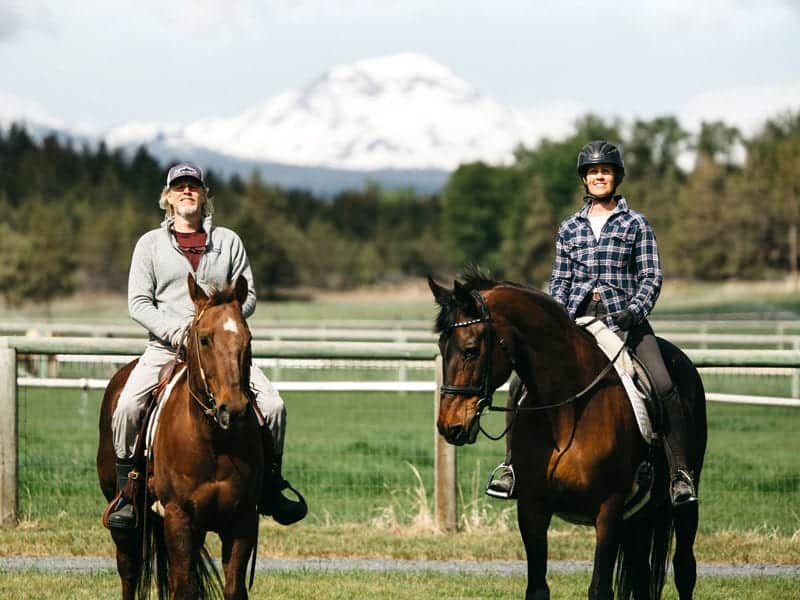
<point>144,379</point>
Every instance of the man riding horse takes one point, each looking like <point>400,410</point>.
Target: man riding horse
<point>158,299</point>
<point>607,266</point>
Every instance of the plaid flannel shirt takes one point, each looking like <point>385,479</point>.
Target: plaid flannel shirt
<point>623,265</point>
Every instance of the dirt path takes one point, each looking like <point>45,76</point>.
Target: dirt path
<point>87,564</point>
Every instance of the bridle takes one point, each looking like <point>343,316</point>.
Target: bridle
<point>485,392</point>
<point>206,398</point>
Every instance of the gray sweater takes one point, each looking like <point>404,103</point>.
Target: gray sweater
<point>158,296</point>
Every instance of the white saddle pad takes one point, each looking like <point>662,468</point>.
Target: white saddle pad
<point>626,368</point>
<point>160,402</point>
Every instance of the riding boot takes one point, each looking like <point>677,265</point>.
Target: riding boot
<point>502,481</point>
<point>123,516</point>
<point>273,502</point>
<point>682,488</point>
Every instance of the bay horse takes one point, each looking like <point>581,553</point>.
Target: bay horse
<point>575,442</point>
<point>206,463</point>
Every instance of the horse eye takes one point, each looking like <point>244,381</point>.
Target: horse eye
<point>470,353</point>
<point>204,341</point>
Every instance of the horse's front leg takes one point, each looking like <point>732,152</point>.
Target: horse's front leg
<point>238,543</point>
<point>608,535</point>
<point>182,553</point>
<point>534,519</point>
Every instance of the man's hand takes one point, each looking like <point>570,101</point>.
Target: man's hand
<point>625,319</point>
<point>179,337</point>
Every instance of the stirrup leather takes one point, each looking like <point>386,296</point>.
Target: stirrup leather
<point>507,469</point>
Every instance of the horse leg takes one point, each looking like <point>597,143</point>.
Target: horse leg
<point>129,561</point>
<point>635,558</point>
<point>533,520</point>
<point>237,546</point>
<point>182,553</point>
<point>608,529</point>
<point>683,561</point>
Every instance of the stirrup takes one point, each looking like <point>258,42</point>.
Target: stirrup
<point>498,488</point>
<point>682,475</point>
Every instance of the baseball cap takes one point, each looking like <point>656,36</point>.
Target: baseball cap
<point>185,169</point>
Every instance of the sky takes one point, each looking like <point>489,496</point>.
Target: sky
<point>96,65</point>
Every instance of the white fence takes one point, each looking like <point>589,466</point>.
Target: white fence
<point>784,362</point>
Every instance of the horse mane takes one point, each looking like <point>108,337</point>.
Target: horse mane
<point>223,296</point>
<point>474,279</point>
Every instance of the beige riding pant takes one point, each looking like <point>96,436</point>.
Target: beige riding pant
<point>143,380</point>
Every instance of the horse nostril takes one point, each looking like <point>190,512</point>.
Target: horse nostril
<point>223,416</point>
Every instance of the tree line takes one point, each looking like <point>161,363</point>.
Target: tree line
<point>73,213</point>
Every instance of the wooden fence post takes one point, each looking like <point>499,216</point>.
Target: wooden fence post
<point>8,433</point>
<point>444,467</point>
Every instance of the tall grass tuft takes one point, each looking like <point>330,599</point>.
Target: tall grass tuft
<point>410,510</point>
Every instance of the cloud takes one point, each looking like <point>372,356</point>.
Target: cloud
<point>17,18</point>
<point>10,23</point>
<point>745,107</point>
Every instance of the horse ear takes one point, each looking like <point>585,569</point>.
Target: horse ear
<point>440,293</point>
<point>196,293</point>
<point>241,289</point>
<point>462,295</point>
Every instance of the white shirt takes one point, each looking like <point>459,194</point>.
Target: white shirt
<point>597,224</point>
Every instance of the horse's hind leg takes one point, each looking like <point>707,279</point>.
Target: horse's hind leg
<point>683,562</point>
<point>237,545</point>
<point>608,537</point>
<point>635,576</point>
<point>129,559</point>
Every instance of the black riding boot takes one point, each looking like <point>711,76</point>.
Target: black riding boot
<point>682,488</point>
<point>273,502</point>
<point>123,516</point>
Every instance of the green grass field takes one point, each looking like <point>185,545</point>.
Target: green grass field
<point>368,458</point>
<point>33,585</point>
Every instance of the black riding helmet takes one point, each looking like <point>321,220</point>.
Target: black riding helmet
<point>601,152</point>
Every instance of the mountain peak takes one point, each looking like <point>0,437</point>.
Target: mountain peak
<point>401,111</point>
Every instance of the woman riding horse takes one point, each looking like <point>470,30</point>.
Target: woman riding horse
<point>607,266</point>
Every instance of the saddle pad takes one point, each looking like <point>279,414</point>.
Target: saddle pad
<point>160,402</point>
<point>626,368</point>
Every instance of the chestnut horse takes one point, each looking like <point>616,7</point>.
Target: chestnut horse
<point>575,442</point>
<point>206,463</point>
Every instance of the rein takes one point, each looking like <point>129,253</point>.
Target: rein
<point>485,393</point>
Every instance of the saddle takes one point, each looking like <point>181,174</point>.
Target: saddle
<point>632,373</point>
<point>641,394</point>
<point>132,492</point>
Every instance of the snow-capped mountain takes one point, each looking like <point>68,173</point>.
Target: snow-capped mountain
<point>403,111</point>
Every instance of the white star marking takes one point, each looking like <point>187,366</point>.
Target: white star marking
<point>230,325</point>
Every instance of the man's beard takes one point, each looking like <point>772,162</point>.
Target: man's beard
<point>188,212</point>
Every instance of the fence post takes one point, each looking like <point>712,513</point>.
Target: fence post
<point>444,467</point>
<point>8,433</point>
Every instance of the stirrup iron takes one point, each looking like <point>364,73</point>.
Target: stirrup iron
<point>502,494</point>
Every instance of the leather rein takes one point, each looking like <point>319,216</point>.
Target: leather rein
<point>485,393</point>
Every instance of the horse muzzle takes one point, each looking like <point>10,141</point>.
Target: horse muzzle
<point>458,435</point>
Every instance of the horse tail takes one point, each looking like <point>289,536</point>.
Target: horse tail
<point>208,576</point>
<point>650,536</point>
<point>154,560</point>
<point>155,567</point>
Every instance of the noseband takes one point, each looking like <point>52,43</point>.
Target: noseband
<point>485,391</point>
